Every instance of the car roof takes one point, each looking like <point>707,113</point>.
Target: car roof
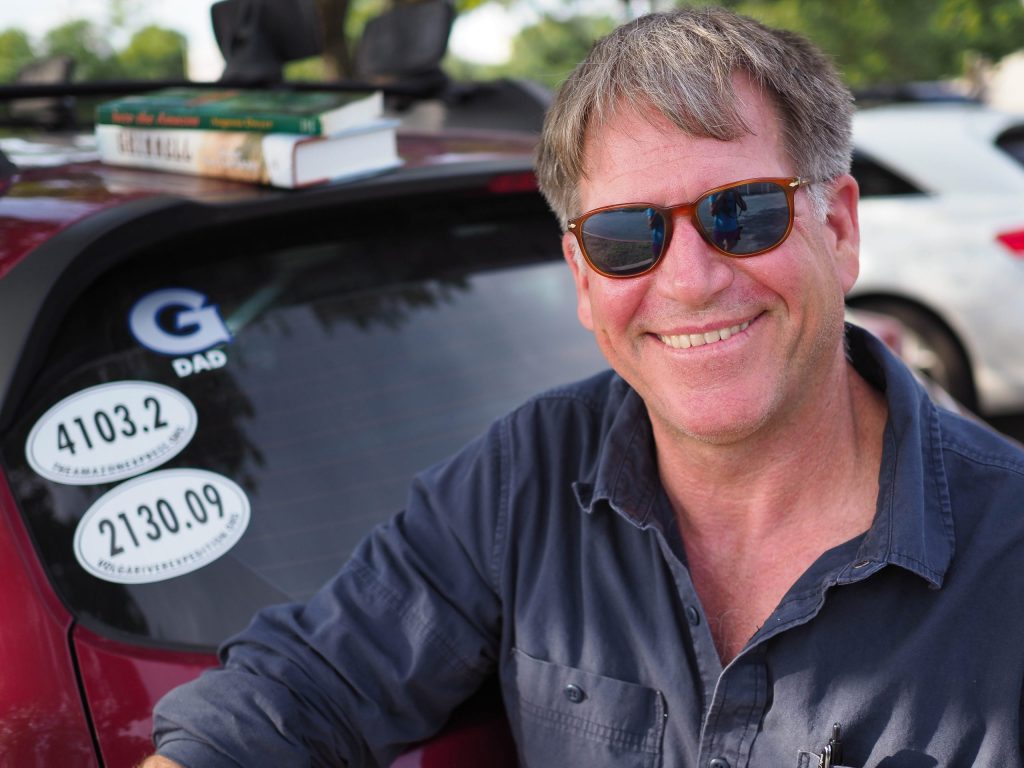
<point>942,147</point>
<point>60,179</point>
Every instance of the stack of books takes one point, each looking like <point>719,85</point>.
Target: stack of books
<point>281,138</point>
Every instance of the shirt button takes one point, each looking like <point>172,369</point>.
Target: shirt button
<point>574,693</point>
<point>693,616</point>
<point>718,762</point>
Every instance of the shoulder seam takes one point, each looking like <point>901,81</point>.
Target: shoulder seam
<point>987,459</point>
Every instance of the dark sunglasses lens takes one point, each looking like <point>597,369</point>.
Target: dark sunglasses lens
<point>746,218</point>
<point>624,241</point>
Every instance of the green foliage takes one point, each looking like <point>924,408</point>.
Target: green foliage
<point>83,41</point>
<point>15,53</point>
<point>462,70</point>
<point>154,53</point>
<point>881,41</point>
<point>872,41</point>
<point>547,51</point>
<point>311,69</point>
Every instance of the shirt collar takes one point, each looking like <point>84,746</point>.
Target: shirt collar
<point>913,525</point>
<point>626,475</point>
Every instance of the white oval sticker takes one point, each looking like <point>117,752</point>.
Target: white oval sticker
<point>161,525</point>
<point>110,432</point>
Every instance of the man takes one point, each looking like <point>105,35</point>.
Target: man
<point>756,543</point>
<point>726,208</point>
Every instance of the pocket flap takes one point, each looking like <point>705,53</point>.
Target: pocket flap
<point>625,715</point>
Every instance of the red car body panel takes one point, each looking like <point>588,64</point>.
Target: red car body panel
<point>42,720</point>
<point>124,680</point>
<point>121,681</point>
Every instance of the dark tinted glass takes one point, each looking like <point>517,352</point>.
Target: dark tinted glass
<point>365,347</point>
<point>875,180</point>
<point>745,219</point>
<point>1011,142</point>
<point>626,241</point>
<point>741,220</point>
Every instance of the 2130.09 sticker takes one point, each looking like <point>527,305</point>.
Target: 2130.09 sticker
<point>162,525</point>
<point>110,432</point>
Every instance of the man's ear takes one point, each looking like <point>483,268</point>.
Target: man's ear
<point>844,225</point>
<point>581,275</point>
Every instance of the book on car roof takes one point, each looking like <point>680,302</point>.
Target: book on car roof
<point>278,159</point>
<point>312,113</point>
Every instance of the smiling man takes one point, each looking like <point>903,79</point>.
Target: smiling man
<point>738,358</point>
<point>754,542</point>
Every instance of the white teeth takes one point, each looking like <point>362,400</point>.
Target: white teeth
<point>686,341</point>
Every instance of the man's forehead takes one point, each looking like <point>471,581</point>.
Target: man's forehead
<point>639,153</point>
<point>755,108</point>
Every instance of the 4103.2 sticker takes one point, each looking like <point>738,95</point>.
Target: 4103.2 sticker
<point>161,525</point>
<point>110,432</point>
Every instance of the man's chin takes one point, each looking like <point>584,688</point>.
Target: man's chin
<point>714,422</point>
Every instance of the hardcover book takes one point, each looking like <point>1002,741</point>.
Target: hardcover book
<point>278,159</point>
<point>313,113</point>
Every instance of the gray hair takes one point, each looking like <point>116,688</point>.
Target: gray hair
<point>681,63</point>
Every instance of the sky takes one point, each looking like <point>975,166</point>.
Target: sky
<point>483,35</point>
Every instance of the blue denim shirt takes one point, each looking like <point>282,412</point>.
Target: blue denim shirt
<point>546,552</point>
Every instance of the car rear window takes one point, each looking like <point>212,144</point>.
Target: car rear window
<point>1011,141</point>
<point>364,346</point>
<point>877,180</point>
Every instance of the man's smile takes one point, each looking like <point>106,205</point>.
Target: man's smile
<point>687,340</point>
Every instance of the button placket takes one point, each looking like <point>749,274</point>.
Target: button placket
<point>738,706</point>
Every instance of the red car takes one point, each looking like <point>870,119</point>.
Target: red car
<point>210,391</point>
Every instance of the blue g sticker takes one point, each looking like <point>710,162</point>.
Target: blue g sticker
<point>177,321</point>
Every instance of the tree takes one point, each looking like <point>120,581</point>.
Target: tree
<point>879,41</point>
<point>548,50</point>
<point>155,53</point>
<point>15,53</point>
<point>873,41</point>
<point>82,40</point>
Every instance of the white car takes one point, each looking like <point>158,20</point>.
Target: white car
<point>942,242</point>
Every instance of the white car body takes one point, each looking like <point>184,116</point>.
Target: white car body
<point>934,257</point>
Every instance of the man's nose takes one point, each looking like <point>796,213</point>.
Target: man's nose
<point>691,271</point>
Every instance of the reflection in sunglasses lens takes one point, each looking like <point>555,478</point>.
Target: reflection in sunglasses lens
<point>746,218</point>
<point>624,242</point>
<point>740,220</point>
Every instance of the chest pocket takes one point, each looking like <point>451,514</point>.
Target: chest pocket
<point>566,717</point>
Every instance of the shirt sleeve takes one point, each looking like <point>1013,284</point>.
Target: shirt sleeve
<point>379,657</point>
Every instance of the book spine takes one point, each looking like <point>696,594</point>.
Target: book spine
<point>222,154</point>
<point>140,117</point>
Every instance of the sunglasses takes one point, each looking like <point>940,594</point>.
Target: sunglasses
<point>742,219</point>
